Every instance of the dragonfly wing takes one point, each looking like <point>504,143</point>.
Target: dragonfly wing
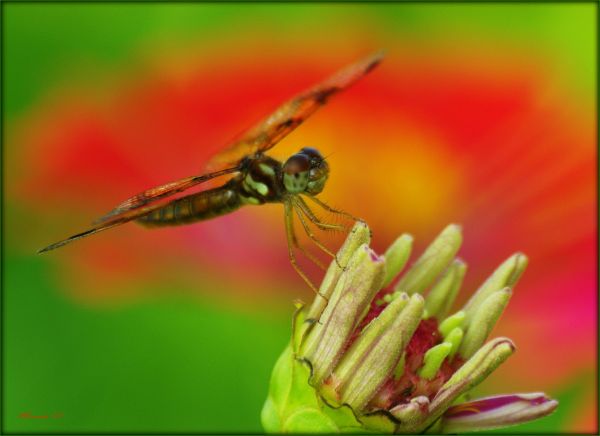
<point>141,201</point>
<point>291,114</point>
<point>141,204</point>
<point>109,221</point>
<point>78,236</point>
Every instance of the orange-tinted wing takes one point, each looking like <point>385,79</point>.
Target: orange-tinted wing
<point>290,115</point>
<point>140,205</point>
<point>154,194</point>
<point>109,222</point>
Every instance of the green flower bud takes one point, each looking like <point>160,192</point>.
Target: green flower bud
<point>483,321</point>
<point>506,276</point>
<point>359,235</point>
<point>442,295</point>
<point>395,363</point>
<point>349,302</point>
<point>396,257</point>
<point>450,323</point>
<point>432,262</point>
<point>433,359</point>
<point>374,355</point>
<point>455,338</point>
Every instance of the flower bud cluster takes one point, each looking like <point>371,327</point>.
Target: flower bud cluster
<point>381,351</point>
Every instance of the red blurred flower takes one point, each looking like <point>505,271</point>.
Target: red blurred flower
<point>490,140</point>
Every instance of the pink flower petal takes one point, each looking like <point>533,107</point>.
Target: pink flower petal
<point>497,411</point>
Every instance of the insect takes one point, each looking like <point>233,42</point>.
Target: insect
<point>257,178</point>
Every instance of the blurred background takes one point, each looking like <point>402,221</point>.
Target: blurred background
<point>482,115</point>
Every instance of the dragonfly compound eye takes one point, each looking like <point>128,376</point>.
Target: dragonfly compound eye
<point>312,153</point>
<point>295,173</point>
<point>317,176</point>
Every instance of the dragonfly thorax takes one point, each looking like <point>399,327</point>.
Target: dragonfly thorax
<point>266,180</point>
<point>305,171</point>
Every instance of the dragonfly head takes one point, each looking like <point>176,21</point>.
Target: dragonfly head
<point>305,171</point>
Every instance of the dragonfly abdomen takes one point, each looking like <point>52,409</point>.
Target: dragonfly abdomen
<point>197,207</point>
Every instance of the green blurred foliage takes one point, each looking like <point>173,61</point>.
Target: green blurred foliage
<point>174,364</point>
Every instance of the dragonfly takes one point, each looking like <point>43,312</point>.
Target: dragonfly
<point>256,178</point>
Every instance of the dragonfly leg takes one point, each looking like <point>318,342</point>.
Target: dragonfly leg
<point>333,210</point>
<point>315,220</point>
<point>291,239</point>
<point>297,245</point>
<point>303,207</point>
<point>312,236</point>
